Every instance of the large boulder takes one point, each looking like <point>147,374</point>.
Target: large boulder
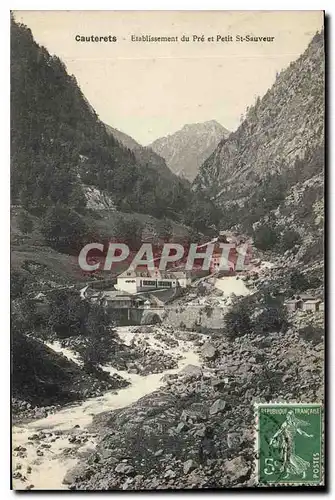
<point>188,466</point>
<point>124,468</point>
<point>234,439</point>
<point>237,467</point>
<point>192,371</point>
<point>217,406</point>
<point>208,351</point>
<point>71,475</point>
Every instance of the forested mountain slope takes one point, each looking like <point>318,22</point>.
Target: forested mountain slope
<point>72,180</point>
<point>285,125</point>
<point>149,161</point>
<point>268,175</point>
<point>59,145</point>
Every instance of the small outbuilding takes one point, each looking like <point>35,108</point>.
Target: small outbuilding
<point>293,304</point>
<point>311,305</point>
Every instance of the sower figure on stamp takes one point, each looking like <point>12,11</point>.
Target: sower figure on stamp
<point>284,438</point>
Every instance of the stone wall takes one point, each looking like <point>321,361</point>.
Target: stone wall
<point>192,317</point>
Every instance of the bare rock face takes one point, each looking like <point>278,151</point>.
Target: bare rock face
<point>280,126</point>
<point>270,170</point>
<point>188,148</point>
<point>97,199</point>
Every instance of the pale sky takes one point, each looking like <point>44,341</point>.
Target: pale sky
<point>149,90</point>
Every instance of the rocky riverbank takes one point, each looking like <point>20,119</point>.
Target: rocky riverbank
<point>186,419</point>
<point>45,450</point>
<point>57,380</point>
<point>198,431</point>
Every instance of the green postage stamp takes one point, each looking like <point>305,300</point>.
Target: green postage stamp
<point>289,444</point>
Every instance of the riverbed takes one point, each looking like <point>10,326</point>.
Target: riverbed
<point>52,455</point>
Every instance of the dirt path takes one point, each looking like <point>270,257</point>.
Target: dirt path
<point>45,449</point>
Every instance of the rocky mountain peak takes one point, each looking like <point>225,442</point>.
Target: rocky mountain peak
<point>185,150</point>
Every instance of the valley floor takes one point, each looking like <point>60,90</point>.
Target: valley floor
<point>189,426</point>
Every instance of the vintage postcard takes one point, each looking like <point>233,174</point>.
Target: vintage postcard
<point>167,250</point>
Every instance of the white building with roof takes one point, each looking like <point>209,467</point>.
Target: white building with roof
<point>134,281</point>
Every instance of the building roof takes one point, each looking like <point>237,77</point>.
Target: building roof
<point>180,274</point>
<point>312,301</point>
<point>154,274</point>
<point>118,299</point>
<point>134,273</point>
<point>306,296</point>
<point>115,295</point>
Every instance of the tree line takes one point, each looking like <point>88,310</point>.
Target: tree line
<point>59,145</point>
